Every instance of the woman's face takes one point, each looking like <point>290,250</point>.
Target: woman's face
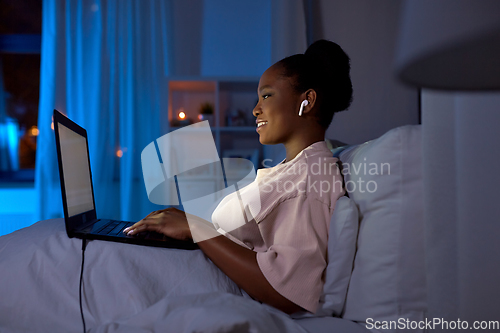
<point>277,109</point>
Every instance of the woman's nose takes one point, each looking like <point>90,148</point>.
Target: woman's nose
<point>256,110</point>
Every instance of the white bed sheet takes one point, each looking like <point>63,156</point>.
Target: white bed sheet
<point>127,288</point>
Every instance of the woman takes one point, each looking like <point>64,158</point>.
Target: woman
<point>279,256</point>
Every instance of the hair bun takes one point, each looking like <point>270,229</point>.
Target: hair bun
<point>332,65</point>
<point>329,54</point>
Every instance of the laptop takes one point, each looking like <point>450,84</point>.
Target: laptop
<point>78,193</point>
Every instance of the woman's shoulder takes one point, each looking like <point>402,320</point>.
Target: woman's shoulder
<point>320,162</point>
<point>323,175</point>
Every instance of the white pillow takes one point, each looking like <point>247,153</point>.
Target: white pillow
<point>384,179</point>
<point>341,249</point>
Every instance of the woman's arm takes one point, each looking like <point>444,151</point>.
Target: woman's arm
<point>238,263</point>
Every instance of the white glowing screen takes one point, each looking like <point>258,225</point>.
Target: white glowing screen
<point>76,171</point>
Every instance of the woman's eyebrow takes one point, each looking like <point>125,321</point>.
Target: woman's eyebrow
<point>264,87</point>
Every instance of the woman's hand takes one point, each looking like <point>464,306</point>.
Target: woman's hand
<point>170,222</point>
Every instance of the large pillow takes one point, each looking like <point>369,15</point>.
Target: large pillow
<point>384,179</point>
<point>341,249</point>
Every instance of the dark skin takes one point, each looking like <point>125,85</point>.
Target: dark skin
<point>278,105</point>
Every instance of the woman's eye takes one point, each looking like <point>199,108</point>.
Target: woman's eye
<point>265,96</point>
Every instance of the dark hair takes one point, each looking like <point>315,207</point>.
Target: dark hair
<point>325,68</point>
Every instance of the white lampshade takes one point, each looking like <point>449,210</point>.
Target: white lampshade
<point>450,44</point>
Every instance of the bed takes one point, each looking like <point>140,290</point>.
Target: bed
<point>375,267</point>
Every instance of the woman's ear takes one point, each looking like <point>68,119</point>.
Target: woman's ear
<point>310,96</point>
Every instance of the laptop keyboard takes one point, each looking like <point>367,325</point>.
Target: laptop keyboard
<point>114,228</point>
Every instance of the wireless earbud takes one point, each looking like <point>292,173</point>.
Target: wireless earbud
<point>304,103</point>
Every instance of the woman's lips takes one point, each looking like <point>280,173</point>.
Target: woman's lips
<point>260,124</point>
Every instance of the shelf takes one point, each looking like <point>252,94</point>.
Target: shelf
<point>192,86</point>
<point>237,129</point>
<point>174,128</point>
<point>221,129</point>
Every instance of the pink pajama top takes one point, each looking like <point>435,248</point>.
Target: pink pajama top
<point>289,208</point>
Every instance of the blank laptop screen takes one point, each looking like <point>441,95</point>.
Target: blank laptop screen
<point>76,171</point>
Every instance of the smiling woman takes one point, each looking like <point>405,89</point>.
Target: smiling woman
<point>279,254</point>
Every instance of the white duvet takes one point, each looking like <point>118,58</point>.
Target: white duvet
<point>127,288</point>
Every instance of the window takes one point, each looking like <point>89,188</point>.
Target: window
<point>20,45</point>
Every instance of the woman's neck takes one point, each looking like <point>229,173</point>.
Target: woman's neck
<point>293,148</point>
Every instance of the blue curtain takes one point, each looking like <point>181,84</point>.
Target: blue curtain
<point>103,64</point>
<point>9,134</point>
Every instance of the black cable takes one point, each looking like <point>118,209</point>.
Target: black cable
<point>84,245</point>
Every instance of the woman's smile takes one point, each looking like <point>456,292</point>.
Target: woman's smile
<point>260,124</point>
